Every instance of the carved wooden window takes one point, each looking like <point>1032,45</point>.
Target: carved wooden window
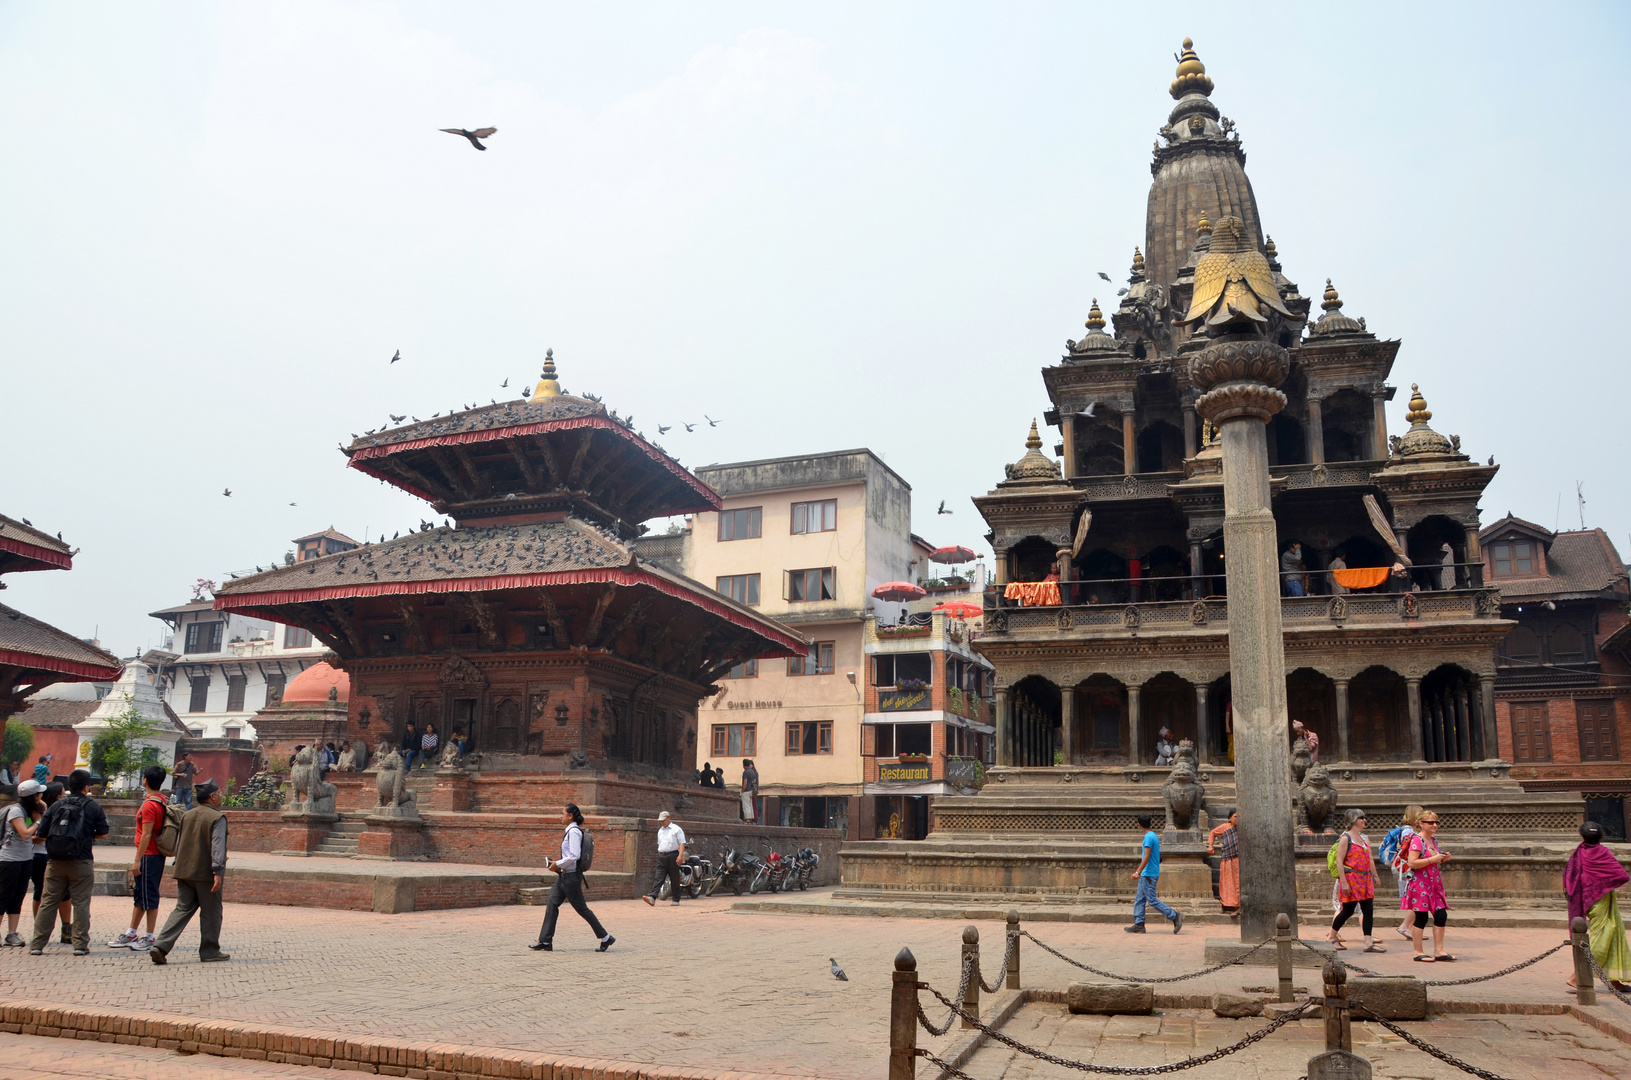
<point>199,701</point>
<point>235,692</point>
<point>296,638</point>
<point>1567,644</point>
<point>1531,735</point>
<point>812,517</point>
<point>1598,741</point>
<point>507,725</point>
<point>744,524</point>
<point>1522,646</point>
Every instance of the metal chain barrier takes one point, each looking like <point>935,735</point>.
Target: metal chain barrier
<point>1597,970</point>
<point>962,989</point>
<point>1425,1047</point>
<point>1241,959</point>
<point>1123,1070</point>
<point>1450,982</point>
<point>1007,958</point>
<point>1350,967</point>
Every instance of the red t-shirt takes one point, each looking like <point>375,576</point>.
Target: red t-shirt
<point>152,815</point>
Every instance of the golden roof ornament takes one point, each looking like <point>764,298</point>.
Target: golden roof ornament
<point>1034,466</point>
<point>1422,440</point>
<point>1233,282</point>
<point>1419,413</point>
<point>1095,317</point>
<point>1332,302</point>
<point>548,386</point>
<point>1033,441</point>
<point>1202,227</point>
<point>1138,261</point>
<point>1334,321</point>
<point>1191,74</point>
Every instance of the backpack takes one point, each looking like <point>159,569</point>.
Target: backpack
<point>68,830</point>
<point>169,837</point>
<point>1390,845</point>
<point>1331,859</point>
<point>586,851</point>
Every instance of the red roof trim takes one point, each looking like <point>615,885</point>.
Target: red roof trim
<point>794,646</point>
<point>82,672</point>
<point>491,434</point>
<point>54,560</point>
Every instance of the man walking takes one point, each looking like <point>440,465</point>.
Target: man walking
<point>1148,872</point>
<point>148,866</point>
<point>69,827</point>
<point>201,863</point>
<point>670,852</point>
<point>569,885</point>
<point>181,779</point>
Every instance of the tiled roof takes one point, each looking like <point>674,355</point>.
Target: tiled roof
<point>1513,521</point>
<point>1581,564</point>
<point>182,609</point>
<point>35,645</point>
<point>503,414</point>
<point>29,548</point>
<point>329,533</point>
<point>55,713</point>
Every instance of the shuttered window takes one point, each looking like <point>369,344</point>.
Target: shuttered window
<point>235,692</point>
<point>201,693</point>
<point>1597,736</point>
<point>1531,738</point>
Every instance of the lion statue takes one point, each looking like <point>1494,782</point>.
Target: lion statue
<point>392,783</point>
<point>1184,796</point>
<point>1302,756</point>
<point>1318,800</point>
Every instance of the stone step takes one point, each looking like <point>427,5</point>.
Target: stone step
<point>349,828</point>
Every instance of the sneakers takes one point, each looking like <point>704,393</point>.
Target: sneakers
<point>676,903</point>
<point>82,952</point>
<point>15,939</point>
<point>1177,921</point>
<point>147,942</point>
<point>36,952</point>
<point>649,901</point>
<point>608,943</point>
<point>1136,928</point>
<point>125,940</point>
<point>156,954</point>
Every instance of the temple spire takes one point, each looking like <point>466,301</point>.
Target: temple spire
<point>548,386</point>
<point>1191,74</point>
<point>1418,414</point>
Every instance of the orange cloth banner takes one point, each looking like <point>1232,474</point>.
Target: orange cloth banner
<point>1361,577</point>
<point>1033,593</point>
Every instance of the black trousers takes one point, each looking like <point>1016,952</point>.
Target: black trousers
<point>668,866</point>
<point>1367,911</point>
<point>568,889</point>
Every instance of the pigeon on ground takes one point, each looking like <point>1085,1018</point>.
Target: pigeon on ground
<point>473,136</point>
<point>943,509</point>
<point>837,972</point>
<point>29,523</point>
<point>397,357</point>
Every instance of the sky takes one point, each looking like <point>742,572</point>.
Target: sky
<point>823,226</point>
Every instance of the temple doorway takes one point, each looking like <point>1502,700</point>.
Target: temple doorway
<point>1312,698</point>
<point>1449,715</point>
<point>1034,712</point>
<point>1379,716</point>
<point>1166,701</point>
<point>1101,722</point>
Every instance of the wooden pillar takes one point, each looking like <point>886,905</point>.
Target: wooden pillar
<point>999,566</point>
<point>1067,721</point>
<point>903,1018</point>
<point>1197,580</point>
<point>1129,443</point>
<point>971,996</point>
<point>1343,742</point>
<point>1135,751</point>
<point>1005,729</point>
<point>1474,558</point>
<point>1418,749</point>
<point>1067,429</point>
<point>1380,404</point>
<point>1190,439</point>
<point>1316,432</point>
<point>1486,710</point>
<point>1203,729</point>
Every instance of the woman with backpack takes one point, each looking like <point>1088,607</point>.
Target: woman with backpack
<point>1356,881</point>
<point>1393,845</point>
<point>577,852</point>
<point>17,854</point>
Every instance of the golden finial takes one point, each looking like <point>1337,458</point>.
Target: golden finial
<point>1268,248</point>
<point>1418,413</point>
<point>1331,302</point>
<point>1095,317</point>
<point>1033,441</point>
<point>1138,261</point>
<point>547,387</point>
<point>1203,227</point>
<point>1191,74</point>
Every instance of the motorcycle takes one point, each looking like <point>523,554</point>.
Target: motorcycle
<point>780,870</point>
<point>731,871</point>
<point>804,868</point>
<point>755,870</point>
<point>696,875</point>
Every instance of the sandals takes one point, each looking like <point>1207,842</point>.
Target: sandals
<point>1336,943</point>
<point>1423,958</point>
<point>1402,933</point>
<point>1443,958</point>
<point>1373,947</point>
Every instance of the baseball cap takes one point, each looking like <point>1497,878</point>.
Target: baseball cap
<point>663,816</point>
<point>30,787</point>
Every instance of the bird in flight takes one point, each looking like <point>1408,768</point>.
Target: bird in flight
<point>473,136</point>
<point>688,427</point>
<point>837,972</point>
<point>711,421</point>
<point>664,430</point>
<point>1103,275</point>
<point>943,509</point>
<point>397,357</point>
<point>291,504</point>
<point>395,419</point>
<point>503,384</point>
<point>227,492</point>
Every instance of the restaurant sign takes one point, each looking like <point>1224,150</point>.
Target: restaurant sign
<point>903,700</point>
<point>906,772</point>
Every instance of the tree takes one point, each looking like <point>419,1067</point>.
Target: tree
<point>115,751</point>
<point>19,742</point>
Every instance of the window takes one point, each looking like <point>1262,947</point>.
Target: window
<point>809,585</point>
<point>235,692</point>
<point>1531,739</point>
<point>809,737</point>
<point>1597,739</point>
<point>740,524</point>
<point>1568,644</point>
<point>747,669</point>
<point>743,588</point>
<point>232,731</point>
<point>817,662</point>
<point>903,669</point>
<point>274,688</point>
<point>892,740</point>
<point>201,692</point>
<point>1513,559</point>
<point>736,740</point>
<point>811,517</point>
<point>296,638</point>
<point>1522,646</point>
<point>203,637</point>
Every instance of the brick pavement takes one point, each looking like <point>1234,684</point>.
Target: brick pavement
<point>34,1057</point>
<point>698,989</point>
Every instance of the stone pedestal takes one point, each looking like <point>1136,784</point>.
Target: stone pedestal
<point>302,832</point>
<point>454,790</point>
<point>392,836</point>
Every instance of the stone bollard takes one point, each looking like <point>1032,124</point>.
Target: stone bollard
<point>1585,981</point>
<point>971,996</point>
<point>1013,949</point>
<point>1339,1062</point>
<point>903,1018</point>
<point>1282,947</point>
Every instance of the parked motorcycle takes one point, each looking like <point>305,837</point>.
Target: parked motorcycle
<point>696,873</point>
<point>780,868</point>
<point>756,871</point>
<point>730,871</point>
<point>804,868</point>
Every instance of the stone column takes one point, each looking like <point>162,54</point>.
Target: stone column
<point>1316,432</point>
<point>1474,556</point>
<point>1067,430</point>
<point>1486,709</point>
<point>1203,730</point>
<point>1463,724</point>
<point>1135,736</point>
<point>1196,577</point>
<point>1067,721</point>
<point>1342,720</point>
<point>1129,442</point>
<point>1191,439</point>
<point>1005,729</point>
<point>1239,374</point>
<point>1379,402</point>
<point>1418,748</point>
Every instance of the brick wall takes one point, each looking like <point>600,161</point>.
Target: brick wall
<point>1564,731</point>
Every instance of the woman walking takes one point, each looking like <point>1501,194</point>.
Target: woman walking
<point>568,888</point>
<point>1589,882</point>
<point>1425,893</point>
<point>1356,887</point>
<point>1393,851</point>
<point>1224,840</point>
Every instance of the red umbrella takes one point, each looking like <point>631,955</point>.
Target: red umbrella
<point>955,554</point>
<point>898,590</point>
<point>960,609</point>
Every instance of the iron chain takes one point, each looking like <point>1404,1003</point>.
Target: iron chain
<point>962,990</point>
<point>1449,982</point>
<point>1597,970</point>
<point>1350,967</point>
<point>1426,1047</point>
<point>1007,958</point>
<point>1241,959</point>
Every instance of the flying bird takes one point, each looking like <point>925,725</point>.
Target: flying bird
<point>395,419</point>
<point>503,384</point>
<point>711,421</point>
<point>688,427</point>
<point>227,492</point>
<point>473,136</point>
<point>397,357</point>
<point>1103,275</point>
<point>662,430</point>
<point>943,509</point>
<point>291,504</point>
<point>837,972</point>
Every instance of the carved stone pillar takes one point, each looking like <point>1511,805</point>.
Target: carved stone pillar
<point>1129,442</point>
<point>1067,721</point>
<point>1463,723</point>
<point>1342,720</point>
<point>1191,447</point>
<point>1197,584</point>
<point>1486,708</point>
<point>1316,432</point>
<point>1135,737</point>
<point>1005,729</point>
<point>1418,747</point>
<point>1203,730</point>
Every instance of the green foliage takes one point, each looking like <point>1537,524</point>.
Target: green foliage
<point>115,753</point>
<point>19,742</point>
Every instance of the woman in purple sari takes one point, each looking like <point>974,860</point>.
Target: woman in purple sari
<point>1589,882</point>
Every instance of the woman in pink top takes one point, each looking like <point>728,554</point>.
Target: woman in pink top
<point>1425,893</point>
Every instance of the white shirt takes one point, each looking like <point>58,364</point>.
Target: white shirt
<point>571,848</point>
<point>670,838</point>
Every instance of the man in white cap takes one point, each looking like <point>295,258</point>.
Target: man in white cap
<point>670,853</point>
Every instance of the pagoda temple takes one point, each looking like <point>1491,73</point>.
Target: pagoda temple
<point>531,627</point>
<point>34,654</point>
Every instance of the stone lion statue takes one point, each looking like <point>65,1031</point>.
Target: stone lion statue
<point>1186,752</point>
<point>451,757</point>
<point>303,776</point>
<point>1302,756</point>
<point>1184,796</point>
<point>392,782</point>
<point>1318,800</point>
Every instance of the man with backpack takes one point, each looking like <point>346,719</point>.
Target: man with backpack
<point>201,865</point>
<point>577,854</point>
<point>72,824</point>
<point>148,866</point>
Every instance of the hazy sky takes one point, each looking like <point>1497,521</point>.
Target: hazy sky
<point>825,226</point>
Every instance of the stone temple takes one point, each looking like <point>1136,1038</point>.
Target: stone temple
<point>1109,625</point>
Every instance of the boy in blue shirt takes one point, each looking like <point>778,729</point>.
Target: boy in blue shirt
<point>1148,872</point>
